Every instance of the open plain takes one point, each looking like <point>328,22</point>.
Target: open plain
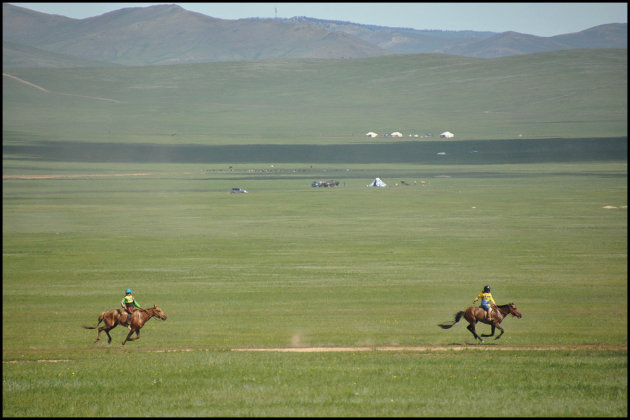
<point>292,300</point>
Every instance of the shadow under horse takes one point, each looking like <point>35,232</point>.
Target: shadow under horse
<point>476,314</point>
<point>114,317</point>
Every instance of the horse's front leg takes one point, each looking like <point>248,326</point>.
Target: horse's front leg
<point>136,337</point>
<point>499,336</point>
<point>491,332</point>
<point>127,338</point>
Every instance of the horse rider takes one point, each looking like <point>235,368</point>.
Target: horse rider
<point>486,299</point>
<point>129,304</point>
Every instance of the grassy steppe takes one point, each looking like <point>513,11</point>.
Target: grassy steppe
<point>364,384</point>
<point>291,265</point>
<point>287,265</point>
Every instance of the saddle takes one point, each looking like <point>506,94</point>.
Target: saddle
<point>126,320</point>
<point>494,312</point>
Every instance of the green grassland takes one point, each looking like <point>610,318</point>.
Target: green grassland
<point>364,384</point>
<point>569,94</point>
<point>291,265</point>
<point>86,214</point>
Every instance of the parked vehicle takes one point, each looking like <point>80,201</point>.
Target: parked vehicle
<point>330,183</point>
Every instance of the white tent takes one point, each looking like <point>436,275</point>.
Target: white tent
<point>377,183</point>
<point>447,135</point>
<point>371,134</point>
<point>396,134</point>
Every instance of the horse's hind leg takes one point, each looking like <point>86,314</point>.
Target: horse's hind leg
<point>109,337</point>
<point>471,328</point>
<point>105,328</point>
<point>98,336</point>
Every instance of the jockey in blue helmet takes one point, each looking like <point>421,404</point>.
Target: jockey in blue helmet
<point>129,304</point>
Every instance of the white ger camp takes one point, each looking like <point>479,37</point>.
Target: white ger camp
<point>447,135</point>
<point>371,134</point>
<point>377,183</point>
<point>396,134</point>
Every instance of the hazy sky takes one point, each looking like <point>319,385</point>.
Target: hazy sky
<point>542,19</point>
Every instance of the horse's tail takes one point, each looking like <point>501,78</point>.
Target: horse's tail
<point>100,319</point>
<point>458,316</point>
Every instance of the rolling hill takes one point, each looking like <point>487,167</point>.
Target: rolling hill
<point>514,43</point>
<point>475,43</point>
<point>169,34</point>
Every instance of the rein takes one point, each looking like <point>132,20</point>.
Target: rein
<point>146,311</point>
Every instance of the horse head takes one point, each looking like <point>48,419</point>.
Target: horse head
<point>157,312</point>
<point>514,310</point>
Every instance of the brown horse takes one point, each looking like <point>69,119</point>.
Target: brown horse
<point>114,317</point>
<point>476,314</point>
<point>110,320</point>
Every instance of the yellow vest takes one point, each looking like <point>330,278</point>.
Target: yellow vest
<point>485,297</point>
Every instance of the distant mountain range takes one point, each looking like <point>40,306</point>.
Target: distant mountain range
<point>169,34</point>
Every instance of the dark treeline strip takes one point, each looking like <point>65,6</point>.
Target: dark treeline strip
<point>433,152</point>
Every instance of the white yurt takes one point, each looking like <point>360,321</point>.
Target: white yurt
<point>377,183</point>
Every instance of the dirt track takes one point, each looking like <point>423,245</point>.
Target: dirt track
<point>26,82</point>
<point>490,347</point>
<point>431,348</point>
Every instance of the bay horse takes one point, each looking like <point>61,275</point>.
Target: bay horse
<point>476,314</point>
<point>113,317</point>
